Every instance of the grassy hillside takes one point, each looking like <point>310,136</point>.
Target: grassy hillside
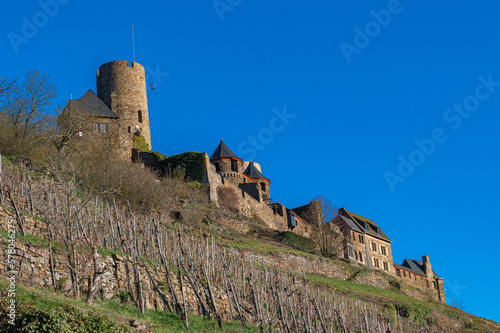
<point>183,228</point>
<point>40,310</point>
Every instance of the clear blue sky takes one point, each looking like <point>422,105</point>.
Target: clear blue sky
<point>357,93</point>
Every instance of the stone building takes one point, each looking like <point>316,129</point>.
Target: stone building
<point>92,115</point>
<point>419,274</point>
<point>252,191</point>
<point>364,241</point>
<point>120,104</point>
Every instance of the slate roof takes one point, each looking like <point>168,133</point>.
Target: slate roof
<point>364,224</point>
<point>252,172</point>
<point>223,151</point>
<point>415,266</point>
<point>90,105</point>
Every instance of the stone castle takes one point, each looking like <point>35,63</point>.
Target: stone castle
<point>120,107</point>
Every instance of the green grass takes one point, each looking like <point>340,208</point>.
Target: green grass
<point>113,312</point>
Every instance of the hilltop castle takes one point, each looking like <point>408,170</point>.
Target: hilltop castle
<point>120,108</point>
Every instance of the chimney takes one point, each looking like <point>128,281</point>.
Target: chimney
<point>427,267</point>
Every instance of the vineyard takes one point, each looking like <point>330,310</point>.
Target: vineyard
<point>100,249</point>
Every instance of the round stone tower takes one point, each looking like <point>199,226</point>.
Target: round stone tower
<point>123,89</point>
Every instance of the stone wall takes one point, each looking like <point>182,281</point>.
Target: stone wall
<point>123,89</point>
<point>252,200</point>
<point>432,287</point>
<point>33,267</point>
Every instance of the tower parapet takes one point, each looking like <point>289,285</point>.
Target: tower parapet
<point>123,89</point>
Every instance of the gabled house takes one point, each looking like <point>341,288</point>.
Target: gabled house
<point>364,241</point>
<point>92,114</point>
<point>419,274</point>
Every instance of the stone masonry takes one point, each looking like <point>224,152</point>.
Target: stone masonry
<point>123,89</point>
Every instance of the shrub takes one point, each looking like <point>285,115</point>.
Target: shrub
<point>140,143</point>
<point>192,163</point>
<point>65,319</point>
<point>297,241</point>
<point>413,312</point>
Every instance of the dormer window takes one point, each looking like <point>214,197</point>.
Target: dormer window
<point>378,230</point>
<point>365,225</point>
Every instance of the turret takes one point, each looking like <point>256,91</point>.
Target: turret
<point>123,89</point>
<point>226,163</point>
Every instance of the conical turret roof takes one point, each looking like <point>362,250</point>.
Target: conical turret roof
<point>254,173</point>
<point>223,151</point>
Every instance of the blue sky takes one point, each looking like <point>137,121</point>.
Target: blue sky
<point>388,108</point>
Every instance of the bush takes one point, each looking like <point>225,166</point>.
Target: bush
<point>140,143</point>
<point>65,319</point>
<point>413,312</point>
<point>297,241</point>
<point>192,163</point>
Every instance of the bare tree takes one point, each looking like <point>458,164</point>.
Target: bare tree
<point>327,235</point>
<point>26,111</point>
<point>5,85</point>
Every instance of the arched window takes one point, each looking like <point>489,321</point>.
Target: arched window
<point>139,115</point>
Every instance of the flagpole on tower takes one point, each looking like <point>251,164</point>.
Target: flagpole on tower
<point>133,45</point>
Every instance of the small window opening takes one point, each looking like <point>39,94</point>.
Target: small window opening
<point>139,115</point>
<point>234,165</point>
<point>217,167</point>
<point>263,186</point>
<point>129,130</point>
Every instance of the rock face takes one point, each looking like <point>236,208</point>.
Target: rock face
<point>123,89</point>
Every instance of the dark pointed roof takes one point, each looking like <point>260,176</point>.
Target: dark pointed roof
<point>254,173</point>
<point>358,222</point>
<point>90,105</point>
<point>223,151</point>
<point>416,266</point>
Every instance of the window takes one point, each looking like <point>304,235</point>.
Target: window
<point>376,263</point>
<point>353,236</point>
<point>404,273</point>
<point>356,255</point>
<point>378,230</point>
<point>234,165</point>
<point>386,266</point>
<point>129,130</point>
<point>398,272</point>
<point>139,116</point>
<point>361,239</point>
<point>349,251</point>
<point>360,257</point>
<point>374,246</point>
<point>383,250</point>
<point>101,128</point>
<point>263,186</point>
<point>217,167</point>
<point>434,284</point>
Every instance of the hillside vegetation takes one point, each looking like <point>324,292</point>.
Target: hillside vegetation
<point>100,242</point>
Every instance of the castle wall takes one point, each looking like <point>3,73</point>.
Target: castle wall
<point>434,288</point>
<point>253,202</point>
<point>123,90</point>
